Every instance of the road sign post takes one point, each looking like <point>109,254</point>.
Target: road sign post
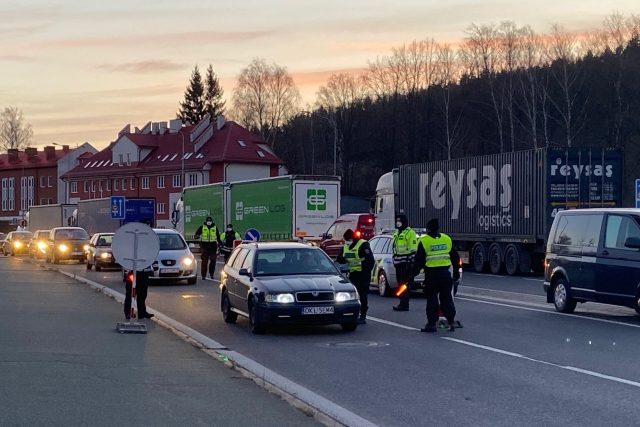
<point>118,207</point>
<point>252,234</point>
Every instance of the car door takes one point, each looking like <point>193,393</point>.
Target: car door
<point>244,283</point>
<point>376,243</point>
<point>618,266</point>
<point>233,280</point>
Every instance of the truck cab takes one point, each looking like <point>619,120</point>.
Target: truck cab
<point>385,202</point>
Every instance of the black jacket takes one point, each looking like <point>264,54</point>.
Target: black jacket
<point>364,253</point>
<point>421,260</point>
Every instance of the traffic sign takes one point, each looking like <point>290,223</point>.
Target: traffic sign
<point>637,193</point>
<point>118,207</point>
<point>252,234</point>
<point>135,246</point>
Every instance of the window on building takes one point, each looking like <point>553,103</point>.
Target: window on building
<point>144,184</point>
<point>50,201</point>
<point>43,181</point>
<point>74,187</point>
<point>177,181</point>
<point>193,179</point>
<point>43,201</point>
<point>93,186</point>
<point>49,181</point>
<point>5,193</point>
<point>115,184</point>
<point>160,182</point>
<point>133,184</point>
<point>161,208</point>
<point>23,193</point>
<point>128,159</point>
<point>99,185</point>
<point>120,159</point>
<point>124,184</point>
<point>86,186</point>
<point>108,184</point>
<point>12,194</point>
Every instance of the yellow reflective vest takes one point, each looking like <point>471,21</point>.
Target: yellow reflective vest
<point>352,256</point>
<point>437,250</point>
<point>209,234</point>
<point>405,243</point>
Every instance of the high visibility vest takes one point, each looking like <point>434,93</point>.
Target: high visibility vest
<point>352,256</point>
<point>437,250</point>
<point>208,234</point>
<point>405,243</point>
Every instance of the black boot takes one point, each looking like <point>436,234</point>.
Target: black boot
<point>400,307</point>
<point>362,320</point>
<point>429,328</point>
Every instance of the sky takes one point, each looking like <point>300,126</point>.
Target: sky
<point>81,70</point>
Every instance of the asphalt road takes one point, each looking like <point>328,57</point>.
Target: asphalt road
<point>516,361</point>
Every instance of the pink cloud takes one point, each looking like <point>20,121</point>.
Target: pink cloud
<point>142,67</point>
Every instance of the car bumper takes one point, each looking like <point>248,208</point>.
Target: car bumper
<point>67,256</point>
<point>272,314</point>
<point>167,275</point>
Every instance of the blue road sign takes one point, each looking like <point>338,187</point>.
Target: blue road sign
<point>637,193</point>
<point>118,207</point>
<point>252,234</point>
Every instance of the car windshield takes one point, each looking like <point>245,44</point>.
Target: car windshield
<point>288,262</point>
<point>22,235</point>
<point>170,242</point>
<point>104,240</point>
<point>71,234</point>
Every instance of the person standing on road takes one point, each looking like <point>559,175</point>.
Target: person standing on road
<point>356,253</point>
<point>209,238</point>
<point>436,255</point>
<point>405,245</point>
<point>227,238</point>
<point>22,226</point>
<point>142,287</point>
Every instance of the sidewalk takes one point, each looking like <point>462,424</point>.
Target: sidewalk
<point>63,363</point>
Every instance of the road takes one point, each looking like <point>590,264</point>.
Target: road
<point>516,361</point>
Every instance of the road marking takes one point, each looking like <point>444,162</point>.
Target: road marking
<point>499,290</point>
<point>390,323</point>
<point>212,280</point>
<point>543,362</point>
<point>533,280</point>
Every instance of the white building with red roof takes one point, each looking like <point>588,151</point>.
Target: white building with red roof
<point>155,162</point>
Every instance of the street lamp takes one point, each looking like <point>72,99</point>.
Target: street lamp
<point>313,147</point>
<point>182,178</point>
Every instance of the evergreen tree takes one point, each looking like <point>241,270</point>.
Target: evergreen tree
<point>213,102</point>
<point>193,109</point>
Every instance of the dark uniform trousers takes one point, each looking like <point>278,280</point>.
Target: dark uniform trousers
<point>208,255</point>
<point>142,287</point>
<point>362,281</point>
<point>438,286</point>
<point>404,274</point>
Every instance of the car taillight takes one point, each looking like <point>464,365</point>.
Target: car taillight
<point>370,220</point>
<point>358,234</point>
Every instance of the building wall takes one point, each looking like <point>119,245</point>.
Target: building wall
<point>65,164</point>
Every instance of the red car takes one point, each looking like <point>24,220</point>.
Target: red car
<point>362,223</point>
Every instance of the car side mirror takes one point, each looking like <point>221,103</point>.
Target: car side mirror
<point>632,242</point>
<point>328,236</point>
<point>244,272</point>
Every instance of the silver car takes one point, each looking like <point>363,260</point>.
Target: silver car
<point>175,261</point>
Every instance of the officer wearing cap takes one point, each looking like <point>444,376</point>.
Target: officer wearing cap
<point>209,238</point>
<point>405,244</point>
<point>227,238</point>
<point>357,254</point>
<point>436,255</point>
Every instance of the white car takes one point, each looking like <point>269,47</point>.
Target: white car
<point>383,275</point>
<point>175,261</point>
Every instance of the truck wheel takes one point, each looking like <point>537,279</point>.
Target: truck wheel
<point>479,258</point>
<point>383,285</point>
<point>496,258</point>
<point>512,259</point>
<point>562,296</point>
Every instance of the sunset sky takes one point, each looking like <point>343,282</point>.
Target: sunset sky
<point>82,69</point>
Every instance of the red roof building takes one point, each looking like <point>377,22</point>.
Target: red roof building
<point>32,177</point>
<point>153,162</point>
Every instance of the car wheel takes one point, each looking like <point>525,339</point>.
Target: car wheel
<point>54,259</point>
<point>383,285</point>
<point>225,306</point>
<point>349,327</point>
<point>637,307</point>
<point>13,253</point>
<point>256,327</point>
<point>89,266</point>
<point>192,281</point>
<point>562,299</point>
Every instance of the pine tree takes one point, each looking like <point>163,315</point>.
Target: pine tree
<point>193,109</point>
<point>214,105</point>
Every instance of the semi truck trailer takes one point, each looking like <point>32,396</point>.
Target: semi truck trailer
<point>499,208</point>
<point>46,217</point>
<point>95,215</point>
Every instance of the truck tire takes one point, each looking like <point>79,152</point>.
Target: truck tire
<point>479,258</point>
<point>512,259</point>
<point>496,258</point>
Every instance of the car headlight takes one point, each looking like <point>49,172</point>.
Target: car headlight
<point>346,296</point>
<point>17,244</point>
<point>63,248</point>
<point>280,298</point>
<point>105,255</point>
<point>42,246</point>
<point>85,247</point>
<point>187,261</point>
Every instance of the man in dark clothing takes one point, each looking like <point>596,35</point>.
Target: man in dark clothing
<point>436,255</point>
<point>142,287</point>
<point>357,254</point>
<point>209,238</point>
<point>227,238</point>
<point>405,244</point>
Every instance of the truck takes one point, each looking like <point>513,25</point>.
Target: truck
<point>95,215</point>
<point>290,207</point>
<point>499,208</point>
<point>46,217</point>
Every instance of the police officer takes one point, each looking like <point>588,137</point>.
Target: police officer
<point>209,238</point>
<point>142,287</point>
<point>227,238</point>
<point>405,244</point>
<point>436,255</point>
<point>357,254</point>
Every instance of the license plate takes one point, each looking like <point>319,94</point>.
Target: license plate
<point>76,253</point>
<point>317,310</point>
<point>170,270</point>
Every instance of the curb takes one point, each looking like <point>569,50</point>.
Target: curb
<point>303,399</point>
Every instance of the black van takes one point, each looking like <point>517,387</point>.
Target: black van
<point>593,255</point>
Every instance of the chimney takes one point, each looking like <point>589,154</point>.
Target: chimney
<point>155,127</point>
<point>220,121</point>
<point>162,127</point>
<point>175,125</point>
<point>13,155</point>
<point>31,153</point>
<point>50,152</point>
<point>65,148</point>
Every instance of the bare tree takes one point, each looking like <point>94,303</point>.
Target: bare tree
<point>265,98</point>
<point>510,42</point>
<point>14,132</point>
<point>447,74</point>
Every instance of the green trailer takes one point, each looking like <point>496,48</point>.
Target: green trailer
<point>279,208</point>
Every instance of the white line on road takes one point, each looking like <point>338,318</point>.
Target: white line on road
<point>543,362</point>
<point>390,323</point>
<point>499,290</point>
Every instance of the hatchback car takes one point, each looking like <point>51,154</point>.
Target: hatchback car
<point>38,244</point>
<point>286,283</point>
<point>361,224</point>
<point>99,253</point>
<point>67,243</point>
<point>175,261</point>
<point>16,242</point>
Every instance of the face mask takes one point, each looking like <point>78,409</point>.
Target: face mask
<point>349,242</point>
<point>398,224</point>
<point>209,223</point>
<point>228,229</point>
